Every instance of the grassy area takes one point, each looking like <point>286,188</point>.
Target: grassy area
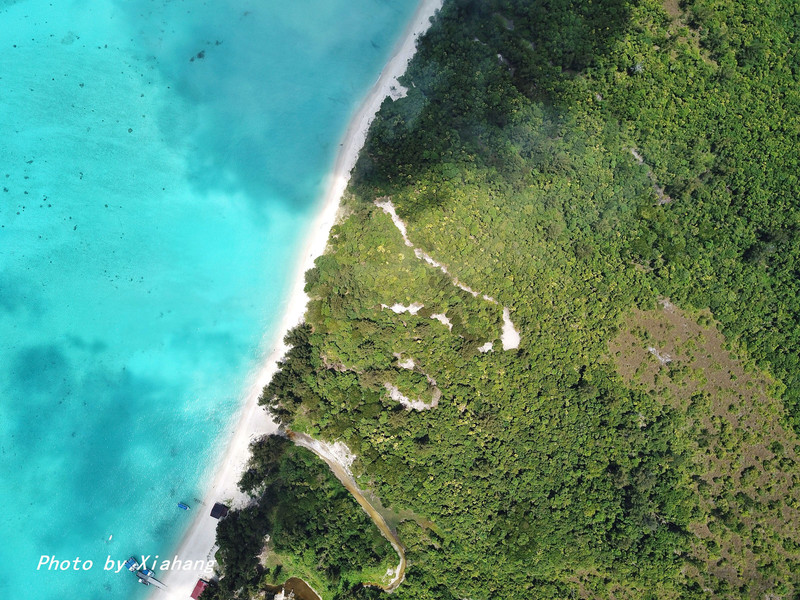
<point>282,566</point>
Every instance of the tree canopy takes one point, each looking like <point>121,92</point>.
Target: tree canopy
<point>579,162</point>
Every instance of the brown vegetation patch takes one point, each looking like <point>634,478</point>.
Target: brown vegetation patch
<point>673,8</point>
<point>682,29</point>
<point>747,476</point>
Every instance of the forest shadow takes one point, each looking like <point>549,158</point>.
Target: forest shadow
<point>552,41</point>
<point>472,69</point>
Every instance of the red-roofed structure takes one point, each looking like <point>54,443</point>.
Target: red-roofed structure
<point>202,584</point>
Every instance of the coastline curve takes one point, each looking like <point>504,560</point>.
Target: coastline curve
<point>199,541</point>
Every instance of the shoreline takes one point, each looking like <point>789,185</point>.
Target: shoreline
<point>197,544</point>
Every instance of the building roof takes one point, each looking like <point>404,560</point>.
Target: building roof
<point>219,511</point>
<point>202,584</point>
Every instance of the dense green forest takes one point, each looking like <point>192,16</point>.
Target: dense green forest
<point>315,529</point>
<point>581,163</point>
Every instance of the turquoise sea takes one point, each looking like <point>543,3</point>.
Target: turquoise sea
<point>161,162</point>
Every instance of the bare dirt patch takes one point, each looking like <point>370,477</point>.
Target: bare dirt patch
<point>673,8</point>
<point>747,473</point>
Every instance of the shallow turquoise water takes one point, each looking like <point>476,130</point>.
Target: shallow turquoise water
<point>160,164</point>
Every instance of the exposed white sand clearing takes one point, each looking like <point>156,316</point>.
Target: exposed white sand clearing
<point>404,363</point>
<point>509,336</point>
<point>442,318</point>
<point>335,452</point>
<point>387,206</point>
<point>198,543</point>
<point>409,404</point>
<point>398,308</point>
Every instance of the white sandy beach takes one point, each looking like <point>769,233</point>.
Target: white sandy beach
<point>198,543</point>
